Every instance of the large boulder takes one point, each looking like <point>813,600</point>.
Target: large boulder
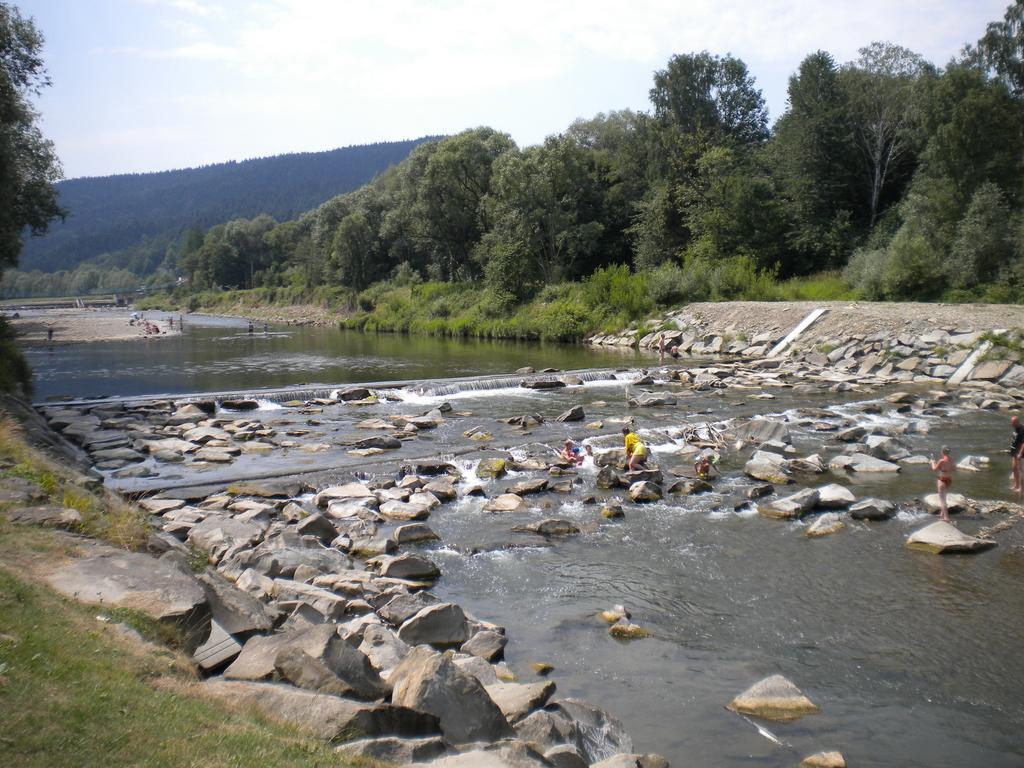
<point>862,462</point>
<point>955,502</point>
<point>258,656</point>
<point>944,538</point>
<point>409,566</point>
<point>428,681</point>
<point>322,715</point>
<point>490,468</point>
<point>346,671</point>
<point>791,507</point>
<point>835,496</point>
<point>346,491</point>
<point>770,467</point>
<point>506,502</point>
<point>517,700</point>
<point>236,611</point>
<point>774,698</point>
<point>644,491</point>
<point>122,579</point>
<point>441,624</point>
<point>873,509</point>
<point>383,648</point>
<point>576,413</point>
<point>763,430</point>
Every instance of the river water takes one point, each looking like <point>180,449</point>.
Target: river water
<point>914,659</point>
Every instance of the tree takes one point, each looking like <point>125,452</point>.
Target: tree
<point>816,161</point>
<point>1001,50</point>
<point>28,165</point>
<point>353,255</point>
<point>698,93</point>
<point>884,112</point>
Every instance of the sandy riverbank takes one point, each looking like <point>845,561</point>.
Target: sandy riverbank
<point>71,326</point>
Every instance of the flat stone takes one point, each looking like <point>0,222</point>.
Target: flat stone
<point>219,649</point>
<point>862,462</point>
<point>324,716</point>
<point>955,502</point>
<point>46,516</point>
<point>774,698</point>
<point>412,533</point>
<point>835,496</point>
<point>346,491</point>
<point>486,644</point>
<point>550,527</point>
<point>394,750</point>
<point>517,700</point>
<point>491,468</point>
<point>644,491</point>
<point>506,502</point>
<point>825,524</point>
<point>791,507</point>
<point>768,467</point>
<point>943,538</point>
<point>399,510</point>
<point>234,609</point>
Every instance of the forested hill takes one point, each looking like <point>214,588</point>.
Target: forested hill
<point>124,213</point>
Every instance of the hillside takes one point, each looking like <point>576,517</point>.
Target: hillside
<point>115,213</point>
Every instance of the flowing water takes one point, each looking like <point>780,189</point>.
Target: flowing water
<point>914,659</point>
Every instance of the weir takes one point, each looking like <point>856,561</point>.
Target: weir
<point>431,388</point>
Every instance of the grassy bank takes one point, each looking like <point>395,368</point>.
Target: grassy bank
<point>324,300</point>
<point>75,688</point>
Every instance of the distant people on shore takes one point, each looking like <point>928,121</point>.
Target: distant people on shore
<point>636,451</point>
<point>250,326</point>
<point>943,468</point>
<point>1016,456</point>
<point>49,334</point>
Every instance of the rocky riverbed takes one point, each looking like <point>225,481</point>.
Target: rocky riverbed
<point>326,521</point>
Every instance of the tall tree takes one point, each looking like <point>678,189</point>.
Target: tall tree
<point>1001,49</point>
<point>698,93</point>
<point>28,165</point>
<point>884,113</point>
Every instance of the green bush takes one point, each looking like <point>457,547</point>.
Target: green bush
<point>15,373</point>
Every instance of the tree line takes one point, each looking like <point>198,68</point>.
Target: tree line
<point>903,174</point>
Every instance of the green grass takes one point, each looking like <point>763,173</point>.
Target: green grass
<point>824,286</point>
<point>74,694</point>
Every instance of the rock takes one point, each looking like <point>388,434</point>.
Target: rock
<point>429,682</point>
<point>490,468</point>
<point>599,735</point>
<point>406,605</point>
<point>235,610</point>
<point>217,535</point>
<point>319,526</point>
<point>160,506</point>
<point>643,475</point>
<point>383,442</point>
<point>769,467</point>
<point>486,644</point>
<point>608,478</point>
<point>409,566</point>
<point>503,754</point>
<point>644,491</point>
<point>396,751</point>
<point>551,526</point>
<point>358,678</point>
<point>517,700</point>
<point>400,510</point>
<point>689,487</point>
<point>565,756</point>
<point>612,510</point>
<point>625,630</point>
<point>543,384</point>
<point>548,728</point>
<point>973,463</point>
<point>851,434</point>
<point>347,491</point>
<point>352,393</point>
<point>525,370</point>
<point>632,761</point>
<point>774,698</point>
<point>256,662</point>
<point>885,447</point>
<point>122,579</point>
<point>759,491</point>
<point>791,507</point>
<point>825,524</point>
<point>862,462</point>
<point>412,533</point>
<point>506,502</point>
<point>652,400</point>
<point>443,490</point>
<point>576,413</point>
<point>614,614</point>
<point>441,624</point>
<point>214,455</point>
<point>824,760</point>
<point>46,516</point>
<point>955,502</point>
<point>872,509</point>
<point>324,716</point>
<point>383,648</point>
<point>528,487</point>
<point>990,370</point>
<point>835,496</point>
<point>763,430</point>
<point>942,538</point>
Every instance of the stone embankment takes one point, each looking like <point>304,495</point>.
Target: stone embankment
<point>921,343</point>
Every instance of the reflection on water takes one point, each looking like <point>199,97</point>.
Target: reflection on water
<point>914,659</point>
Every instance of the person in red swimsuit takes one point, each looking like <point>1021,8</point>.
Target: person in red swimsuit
<point>943,467</point>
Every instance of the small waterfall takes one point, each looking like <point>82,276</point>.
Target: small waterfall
<point>449,387</point>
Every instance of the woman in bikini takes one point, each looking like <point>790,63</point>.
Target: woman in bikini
<point>943,467</point>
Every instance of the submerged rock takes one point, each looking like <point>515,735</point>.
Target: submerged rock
<point>774,698</point>
<point>942,538</point>
<point>824,760</point>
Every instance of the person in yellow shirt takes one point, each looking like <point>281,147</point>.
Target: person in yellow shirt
<point>636,451</point>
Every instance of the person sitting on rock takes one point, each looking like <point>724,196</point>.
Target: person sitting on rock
<point>703,466</point>
<point>571,452</point>
<point>636,451</point>
<point>943,467</point>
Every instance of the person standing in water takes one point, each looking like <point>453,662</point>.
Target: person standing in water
<point>636,451</point>
<point>1016,455</point>
<point>943,467</point>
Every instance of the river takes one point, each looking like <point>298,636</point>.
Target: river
<point>914,659</point>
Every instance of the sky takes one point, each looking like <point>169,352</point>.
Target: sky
<point>149,85</point>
